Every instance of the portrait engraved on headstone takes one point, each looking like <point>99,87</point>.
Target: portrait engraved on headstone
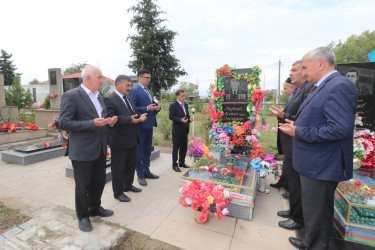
<point>235,90</point>
<point>362,75</point>
<point>52,77</point>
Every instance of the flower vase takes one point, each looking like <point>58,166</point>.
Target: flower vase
<point>357,163</point>
<point>262,185</point>
<point>230,166</point>
<point>59,136</point>
<point>197,214</point>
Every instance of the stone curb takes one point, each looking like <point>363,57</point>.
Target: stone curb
<point>18,229</point>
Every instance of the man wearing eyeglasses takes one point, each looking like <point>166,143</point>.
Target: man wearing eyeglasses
<point>145,103</point>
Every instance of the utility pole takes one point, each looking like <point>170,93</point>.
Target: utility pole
<point>264,88</point>
<point>278,86</point>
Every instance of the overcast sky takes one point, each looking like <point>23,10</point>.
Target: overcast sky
<point>242,33</point>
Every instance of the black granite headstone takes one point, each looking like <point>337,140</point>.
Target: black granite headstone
<point>363,76</point>
<point>235,100</point>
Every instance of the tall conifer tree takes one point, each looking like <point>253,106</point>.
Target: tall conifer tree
<point>7,68</point>
<point>152,46</point>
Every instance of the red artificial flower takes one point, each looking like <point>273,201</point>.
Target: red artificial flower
<point>357,183</point>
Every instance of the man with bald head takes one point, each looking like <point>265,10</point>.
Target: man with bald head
<point>84,115</point>
<point>322,144</point>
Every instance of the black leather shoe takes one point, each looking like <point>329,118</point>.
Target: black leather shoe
<point>177,169</point>
<point>276,185</point>
<point>151,176</point>
<point>285,195</point>
<point>122,197</point>
<point>290,224</point>
<point>142,181</point>
<point>284,214</point>
<point>297,243</point>
<point>85,224</point>
<point>133,189</point>
<point>101,212</point>
<point>183,165</point>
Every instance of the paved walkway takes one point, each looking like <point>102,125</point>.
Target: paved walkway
<point>42,191</point>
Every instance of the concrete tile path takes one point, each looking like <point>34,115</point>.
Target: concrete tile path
<point>42,191</point>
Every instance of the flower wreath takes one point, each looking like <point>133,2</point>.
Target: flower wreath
<point>369,143</point>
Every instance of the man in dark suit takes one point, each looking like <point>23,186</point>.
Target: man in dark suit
<point>322,144</point>
<point>123,137</point>
<point>179,114</point>
<point>283,181</point>
<point>145,103</point>
<point>84,114</point>
<point>295,213</point>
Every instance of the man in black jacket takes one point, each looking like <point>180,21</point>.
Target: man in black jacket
<point>289,112</point>
<point>179,114</point>
<point>123,138</point>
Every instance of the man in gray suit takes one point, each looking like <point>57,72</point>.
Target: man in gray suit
<point>84,115</point>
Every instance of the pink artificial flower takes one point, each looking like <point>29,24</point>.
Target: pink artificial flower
<point>274,130</point>
<point>225,211</point>
<point>254,131</point>
<point>263,127</point>
<point>237,157</point>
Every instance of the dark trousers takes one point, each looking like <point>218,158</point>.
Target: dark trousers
<point>179,145</point>
<point>123,161</point>
<point>294,186</point>
<point>89,177</point>
<point>318,207</point>
<point>144,152</point>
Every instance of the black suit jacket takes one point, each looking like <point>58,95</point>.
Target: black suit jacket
<point>176,113</point>
<point>77,114</point>
<point>124,134</point>
<point>290,111</point>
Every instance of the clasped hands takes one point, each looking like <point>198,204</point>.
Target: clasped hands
<point>142,118</point>
<point>185,120</point>
<point>153,106</point>
<point>101,122</point>
<point>288,127</point>
<point>277,111</point>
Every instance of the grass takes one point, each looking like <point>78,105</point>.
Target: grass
<point>9,218</point>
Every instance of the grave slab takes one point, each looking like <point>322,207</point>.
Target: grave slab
<point>26,159</point>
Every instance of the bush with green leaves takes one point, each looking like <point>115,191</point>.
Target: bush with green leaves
<point>18,96</point>
<point>165,125</point>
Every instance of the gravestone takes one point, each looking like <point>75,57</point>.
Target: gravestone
<point>235,99</point>
<point>363,77</point>
<point>56,87</point>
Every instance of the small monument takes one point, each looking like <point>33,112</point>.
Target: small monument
<point>2,91</point>
<point>55,88</point>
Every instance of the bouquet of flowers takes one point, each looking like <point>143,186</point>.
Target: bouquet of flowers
<point>205,195</point>
<point>197,149</point>
<point>55,124</point>
<point>267,166</point>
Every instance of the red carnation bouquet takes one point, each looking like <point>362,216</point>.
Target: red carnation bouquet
<point>205,196</point>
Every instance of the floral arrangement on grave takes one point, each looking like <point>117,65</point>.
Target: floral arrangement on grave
<point>267,165</point>
<point>239,137</point>
<point>197,149</point>
<point>13,127</point>
<point>205,197</point>
<point>364,140</point>
<point>357,191</point>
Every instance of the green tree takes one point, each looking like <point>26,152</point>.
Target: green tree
<point>74,68</point>
<point>152,46</point>
<point>271,95</point>
<point>190,89</point>
<point>18,96</point>
<point>355,48</point>
<point>210,89</point>
<point>35,81</point>
<point>7,68</point>
<point>105,89</point>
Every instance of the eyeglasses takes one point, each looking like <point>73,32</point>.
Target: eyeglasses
<point>148,77</point>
